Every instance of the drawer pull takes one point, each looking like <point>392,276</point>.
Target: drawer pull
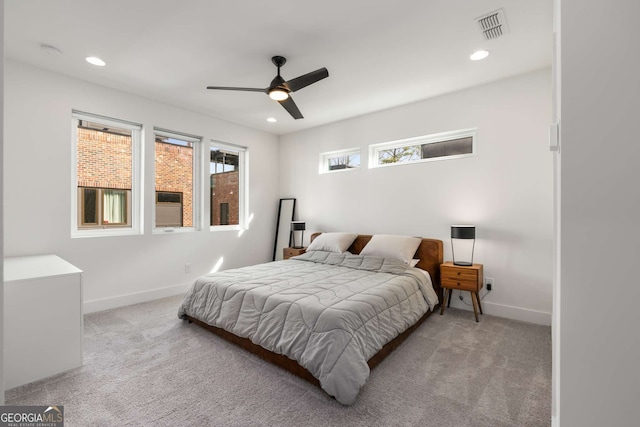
<point>458,273</point>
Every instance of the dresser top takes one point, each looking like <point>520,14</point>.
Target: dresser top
<point>32,267</point>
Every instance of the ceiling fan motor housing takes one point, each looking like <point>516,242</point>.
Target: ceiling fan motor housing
<point>279,61</point>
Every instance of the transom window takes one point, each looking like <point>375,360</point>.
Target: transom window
<point>340,160</point>
<point>440,146</point>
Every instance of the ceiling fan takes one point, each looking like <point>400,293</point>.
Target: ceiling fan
<point>280,90</point>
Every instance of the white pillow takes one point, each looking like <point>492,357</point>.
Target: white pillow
<point>392,246</point>
<point>332,242</point>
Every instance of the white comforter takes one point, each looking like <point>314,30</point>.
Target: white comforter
<point>330,312</point>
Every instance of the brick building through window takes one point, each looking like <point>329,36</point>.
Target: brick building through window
<point>104,179</point>
<point>174,182</point>
<point>225,187</point>
<point>104,175</point>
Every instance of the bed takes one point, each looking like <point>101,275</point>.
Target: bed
<point>326,316</point>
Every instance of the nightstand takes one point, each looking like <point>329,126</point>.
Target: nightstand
<point>289,252</point>
<point>462,278</point>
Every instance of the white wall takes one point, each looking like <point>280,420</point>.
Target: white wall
<point>125,269</point>
<point>506,190</point>
<point>555,318</point>
<point>600,209</point>
<point>1,210</point>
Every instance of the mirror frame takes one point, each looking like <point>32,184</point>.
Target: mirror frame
<point>283,223</point>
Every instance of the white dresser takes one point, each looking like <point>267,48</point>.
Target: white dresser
<point>42,318</point>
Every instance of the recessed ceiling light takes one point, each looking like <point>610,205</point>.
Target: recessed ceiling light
<point>49,49</point>
<point>478,55</point>
<point>95,61</point>
<point>272,120</point>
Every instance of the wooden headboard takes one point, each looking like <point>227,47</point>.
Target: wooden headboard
<point>430,254</point>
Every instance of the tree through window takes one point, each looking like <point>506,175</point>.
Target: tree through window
<point>423,148</point>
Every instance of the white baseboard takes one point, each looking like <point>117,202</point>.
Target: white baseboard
<point>135,298</point>
<point>506,311</point>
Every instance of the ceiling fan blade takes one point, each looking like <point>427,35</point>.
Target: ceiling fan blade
<point>307,79</point>
<point>292,108</point>
<point>244,89</point>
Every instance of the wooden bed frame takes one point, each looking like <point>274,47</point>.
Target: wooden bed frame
<point>430,254</point>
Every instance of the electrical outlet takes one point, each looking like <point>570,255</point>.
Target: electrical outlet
<point>489,283</point>
<point>187,267</point>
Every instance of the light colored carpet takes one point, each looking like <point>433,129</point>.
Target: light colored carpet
<point>145,367</point>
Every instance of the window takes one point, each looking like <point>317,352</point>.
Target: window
<point>89,205</point>
<point>106,193</point>
<point>104,207</point>
<point>227,174</point>
<point>169,210</point>
<point>176,160</point>
<point>340,160</point>
<point>224,213</point>
<point>440,146</point>
<point>114,207</point>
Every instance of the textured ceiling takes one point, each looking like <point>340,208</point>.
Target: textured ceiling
<point>379,54</point>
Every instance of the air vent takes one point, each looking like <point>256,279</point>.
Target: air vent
<point>493,25</point>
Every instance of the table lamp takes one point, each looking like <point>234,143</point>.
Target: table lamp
<point>297,226</point>
<point>463,240</point>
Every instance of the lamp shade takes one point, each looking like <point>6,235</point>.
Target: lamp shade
<point>463,231</point>
<point>298,226</point>
<point>463,240</point>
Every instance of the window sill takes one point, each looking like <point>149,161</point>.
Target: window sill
<point>173,230</point>
<point>102,232</point>
<point>324,172</point>
<point>234,227</point>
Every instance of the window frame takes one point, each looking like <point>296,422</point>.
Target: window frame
<point>99,206</point>
<point>196,197</point>
<point>134,194</point>
<point>81,207</point>
<point>374,149</point>
<point>326,156</point>
<point>243,185</point>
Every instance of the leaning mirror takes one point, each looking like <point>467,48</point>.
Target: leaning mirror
<point>286,211</point>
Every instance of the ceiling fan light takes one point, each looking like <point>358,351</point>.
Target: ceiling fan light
<point>278,95</point>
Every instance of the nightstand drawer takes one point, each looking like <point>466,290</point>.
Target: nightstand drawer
<point>461,277</point>
<point>465,284</point>
<point>460,274</point>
